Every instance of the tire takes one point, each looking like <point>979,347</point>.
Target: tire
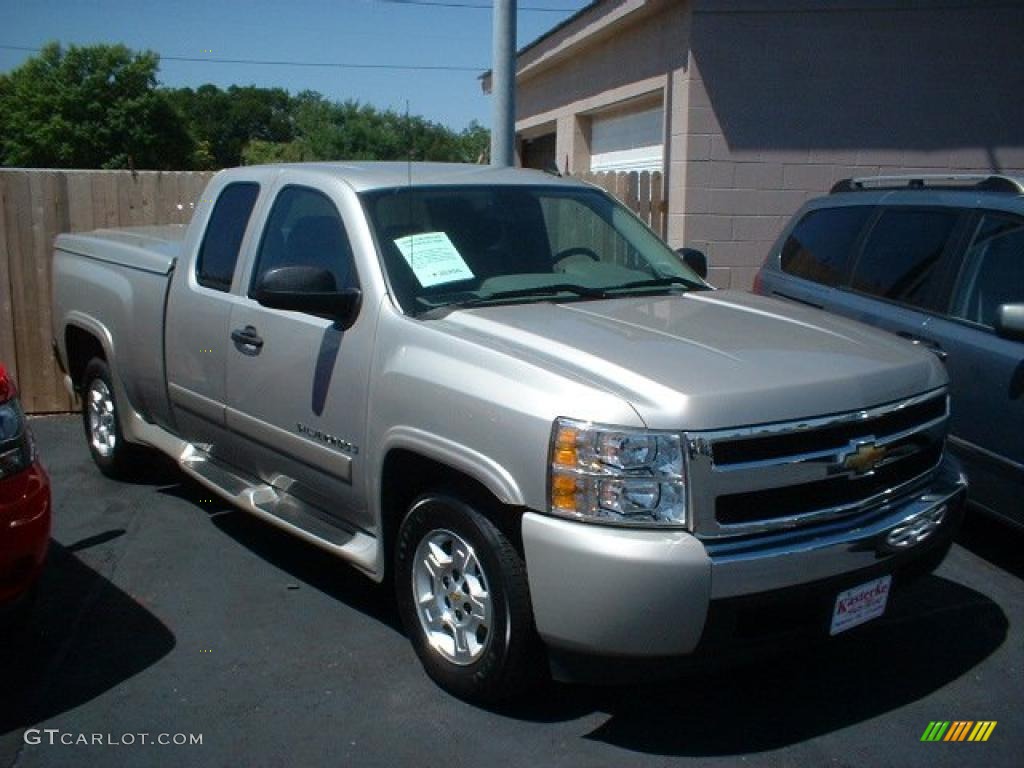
<point>101,421</point>
<point>465,602</point>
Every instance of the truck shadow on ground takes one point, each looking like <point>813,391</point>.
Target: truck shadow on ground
<point>304,562</point>
<point>993,540</point>
<point>86,636</point>
<point>936,631</point>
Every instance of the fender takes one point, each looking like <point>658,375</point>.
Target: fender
<point>485,470</point>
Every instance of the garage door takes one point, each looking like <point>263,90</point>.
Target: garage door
<point>628,142</point>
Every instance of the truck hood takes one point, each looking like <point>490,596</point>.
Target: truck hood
<point>708,360</point>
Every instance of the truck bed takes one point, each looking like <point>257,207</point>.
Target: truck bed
<point>151,249</point>
<point>113,284</point>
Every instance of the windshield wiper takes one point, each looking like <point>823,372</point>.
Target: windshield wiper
<point>517,293</point>
<point>660,282</point>
<point>542,290</point>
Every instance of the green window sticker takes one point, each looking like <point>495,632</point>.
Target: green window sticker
<point>433,259</point>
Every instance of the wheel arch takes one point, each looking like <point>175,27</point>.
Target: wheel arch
<point>407,471</point>
<point>85,339</point>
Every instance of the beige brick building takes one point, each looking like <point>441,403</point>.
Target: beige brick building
<point>749,107</point>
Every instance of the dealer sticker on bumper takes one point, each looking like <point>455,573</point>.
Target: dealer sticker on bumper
<point>860,604</point>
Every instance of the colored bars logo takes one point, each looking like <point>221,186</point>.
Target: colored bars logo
<point>959,730</point>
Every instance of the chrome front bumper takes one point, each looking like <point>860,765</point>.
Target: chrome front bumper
<point>646,593</point>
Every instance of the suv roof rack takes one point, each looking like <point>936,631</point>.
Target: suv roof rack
<point>981,182</point>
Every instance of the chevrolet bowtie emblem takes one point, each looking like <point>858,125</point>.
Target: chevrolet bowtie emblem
<point>865,458</point>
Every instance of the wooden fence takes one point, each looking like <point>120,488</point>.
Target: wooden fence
<point>36,205</point>
<point>644,193</point>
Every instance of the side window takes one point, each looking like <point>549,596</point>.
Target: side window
<point>305,229</point>
<point>218,252</point>
<point>901,254</point>
<point>993,270</point>
<point>821,244</point>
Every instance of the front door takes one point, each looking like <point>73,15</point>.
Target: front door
<point>296,384</point>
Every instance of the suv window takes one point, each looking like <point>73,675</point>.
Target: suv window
<point>820,246</point>
<point>902,252</point>
<point>305,229</point>
<point>218,252</point>
<point>993,270</point>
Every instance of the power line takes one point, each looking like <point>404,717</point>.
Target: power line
<point>266,62</point>
<point>476,6</point>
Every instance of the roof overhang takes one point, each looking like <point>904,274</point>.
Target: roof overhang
<point>588,26</point>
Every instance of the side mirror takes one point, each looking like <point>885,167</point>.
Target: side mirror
<point>310,290</point>
<point>1009,321</point>
<point>695,260</point>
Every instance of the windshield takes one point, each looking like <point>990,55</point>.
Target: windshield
<point>456,246</point>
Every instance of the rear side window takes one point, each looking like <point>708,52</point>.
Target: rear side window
<point>993,270</point>
<point>902,253</point>
<point>820,246</point>
<point>224,232</point>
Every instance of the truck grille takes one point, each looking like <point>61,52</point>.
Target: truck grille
<point>778,476</point>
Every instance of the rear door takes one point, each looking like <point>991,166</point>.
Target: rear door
<point>297,383</point>
<point>986,370</point>
<point>899,274</point>
<point>816,256</point>
<point>198,311</point>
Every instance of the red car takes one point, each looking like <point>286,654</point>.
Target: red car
<point>24,507</point>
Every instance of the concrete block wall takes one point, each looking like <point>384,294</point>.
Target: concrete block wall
<point>774,107</point>
<point>593,67</point>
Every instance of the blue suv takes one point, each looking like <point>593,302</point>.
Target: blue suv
<point>938,260</point>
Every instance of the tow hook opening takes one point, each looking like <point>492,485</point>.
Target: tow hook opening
<point>915,530</point>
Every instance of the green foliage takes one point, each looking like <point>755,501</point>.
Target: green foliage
<point>327,130</point>
<point>89,107</point>
<point>224,121</point>
<point>99,107</point>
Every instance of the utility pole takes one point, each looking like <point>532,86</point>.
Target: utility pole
<point>503,124</point>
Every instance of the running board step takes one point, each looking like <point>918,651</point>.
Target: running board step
<point>279,508</point>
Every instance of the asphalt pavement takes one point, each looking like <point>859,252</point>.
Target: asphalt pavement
<point>165,615</point>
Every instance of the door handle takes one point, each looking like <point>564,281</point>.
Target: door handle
<point>247,337</point>
<point>934,347</point>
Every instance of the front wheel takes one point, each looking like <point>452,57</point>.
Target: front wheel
<point>464,601</point>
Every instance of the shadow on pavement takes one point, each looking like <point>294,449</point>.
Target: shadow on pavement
<point>994,540</point>
<point>937,631</point>
<point>314,567</point>
<point>86,637</point>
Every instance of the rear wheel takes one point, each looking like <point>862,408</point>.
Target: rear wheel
<point>102,423</point>
<point>464,601</point>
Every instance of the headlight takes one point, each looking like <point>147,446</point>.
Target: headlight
<point>612,475</point>
<point>16,446</point>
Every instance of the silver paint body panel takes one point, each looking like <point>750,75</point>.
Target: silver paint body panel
<point>477,391</point>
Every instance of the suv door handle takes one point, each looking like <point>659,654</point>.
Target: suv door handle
<point>934,347</point>
<point>247,337</point>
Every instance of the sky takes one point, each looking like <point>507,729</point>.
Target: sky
<point>311,31</point>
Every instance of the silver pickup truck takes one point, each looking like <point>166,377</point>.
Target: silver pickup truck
<point>500,391</point>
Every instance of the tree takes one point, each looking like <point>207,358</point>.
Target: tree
<point>89,107</point>
<point>224,121</point>
<point>326,130</point>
